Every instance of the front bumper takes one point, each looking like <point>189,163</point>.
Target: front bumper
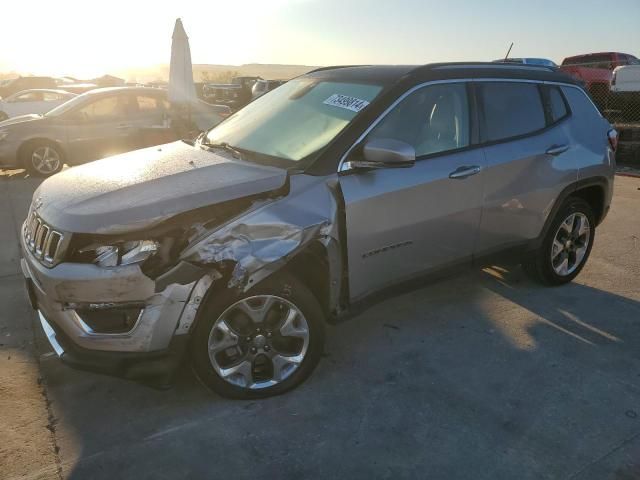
<point>152,347</point>
<point>154,368</point>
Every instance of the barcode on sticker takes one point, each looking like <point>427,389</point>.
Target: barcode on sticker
<point>344,101</point>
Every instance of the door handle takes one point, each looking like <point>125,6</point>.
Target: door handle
<point>123,126</point>
<point>557,149</point>
<point>464,172</point>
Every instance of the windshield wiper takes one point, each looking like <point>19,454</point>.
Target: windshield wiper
<point>224,146</point>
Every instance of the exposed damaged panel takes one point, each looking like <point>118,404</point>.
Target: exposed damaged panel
<point>261,242</point>
<point>92,284</point>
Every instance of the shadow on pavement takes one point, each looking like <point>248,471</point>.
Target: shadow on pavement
<point>482,376</point>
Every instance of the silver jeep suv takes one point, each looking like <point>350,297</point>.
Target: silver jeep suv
<point>306,205</point>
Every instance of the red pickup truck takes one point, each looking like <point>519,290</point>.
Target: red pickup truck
<point>596,70</point>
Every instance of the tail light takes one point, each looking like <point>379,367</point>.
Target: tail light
<point>612,135</point>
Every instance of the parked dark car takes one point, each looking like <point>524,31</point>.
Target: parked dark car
<point>235,94</point>
<point>26,83</point>
<point>97,124</point>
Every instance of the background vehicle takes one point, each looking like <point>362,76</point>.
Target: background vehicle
<point>32,101</point>
<point>235,94</point>
<point>624,100</point>
<point>263,86</point>
<point>595,70</point>
<point>97,124</point>
<point>543,62</point>
<point>266,228</point>
<point>26,83</point>
<point>79,88</point>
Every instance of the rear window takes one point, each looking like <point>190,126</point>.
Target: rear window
<point>557,104</point>
<point>510,109</point>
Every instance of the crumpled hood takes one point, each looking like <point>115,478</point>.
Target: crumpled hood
<point>20,119</point>
<point>142,188</point>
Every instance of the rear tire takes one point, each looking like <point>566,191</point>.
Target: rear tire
<point>239,356</point>
<point>43,158</point>
<point>566,247</point>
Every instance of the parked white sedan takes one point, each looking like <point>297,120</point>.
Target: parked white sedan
<point>32,101</point>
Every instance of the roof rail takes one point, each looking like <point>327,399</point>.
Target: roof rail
<point>460,65</point>
<point>335,67</point>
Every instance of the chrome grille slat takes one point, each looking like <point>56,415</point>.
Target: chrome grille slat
<point>44,242</point>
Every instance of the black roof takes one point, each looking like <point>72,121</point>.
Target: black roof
<point>392,74</point>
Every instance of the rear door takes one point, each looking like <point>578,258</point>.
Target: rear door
<point>149,120</point>
<point>530,159</point>
<point>404,222</point>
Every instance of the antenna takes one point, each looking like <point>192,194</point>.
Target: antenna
<point>506,57</point>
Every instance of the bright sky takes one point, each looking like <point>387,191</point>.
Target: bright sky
<point>73,37</point>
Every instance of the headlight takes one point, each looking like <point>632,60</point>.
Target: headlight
<point>3,134</point>
<point>126,253</point>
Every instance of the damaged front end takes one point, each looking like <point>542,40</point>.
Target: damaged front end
<point>125,303</point>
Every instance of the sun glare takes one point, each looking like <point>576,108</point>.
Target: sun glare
<point>113,38</point>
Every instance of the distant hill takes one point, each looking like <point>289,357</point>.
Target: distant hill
<point>267,71</point>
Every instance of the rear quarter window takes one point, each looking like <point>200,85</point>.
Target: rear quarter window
<point>510,109</point>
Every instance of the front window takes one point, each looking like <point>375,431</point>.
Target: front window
<point>27,97</point>
<point>432,120</point>
<point>106,109</point>
<point>66,106</point>
<point>295,121</point>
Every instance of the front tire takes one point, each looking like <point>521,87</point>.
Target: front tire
<point>260,343</point>
<point>566,246</point>
<point>43,159</point>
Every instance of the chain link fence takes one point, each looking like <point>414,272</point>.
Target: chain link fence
<point>616,92</point>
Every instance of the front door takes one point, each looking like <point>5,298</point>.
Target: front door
<point>402,223</point>
<point>100,128</point>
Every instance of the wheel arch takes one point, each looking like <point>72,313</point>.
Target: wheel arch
<point>24,146</point>
<point>317,266</point>
<point>592,190</point>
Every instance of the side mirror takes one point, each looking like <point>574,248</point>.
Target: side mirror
<point>385,153</point>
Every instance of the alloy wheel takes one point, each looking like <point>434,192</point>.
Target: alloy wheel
<point>45,160</point>
<point>258,342</point>
<point>570,244</point>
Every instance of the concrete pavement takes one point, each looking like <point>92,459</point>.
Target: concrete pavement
<point>484,376</point>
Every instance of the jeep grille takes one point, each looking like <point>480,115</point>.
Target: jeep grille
<point>44,242</point>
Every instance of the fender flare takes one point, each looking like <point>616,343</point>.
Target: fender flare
<point>599,181</point>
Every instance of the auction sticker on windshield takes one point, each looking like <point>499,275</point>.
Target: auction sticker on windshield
<point>344,101</point>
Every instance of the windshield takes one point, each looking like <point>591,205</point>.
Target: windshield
<point>66,106</point>
<point>296,120</point>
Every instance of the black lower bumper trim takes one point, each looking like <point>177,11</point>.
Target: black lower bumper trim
<point>155,369</point>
